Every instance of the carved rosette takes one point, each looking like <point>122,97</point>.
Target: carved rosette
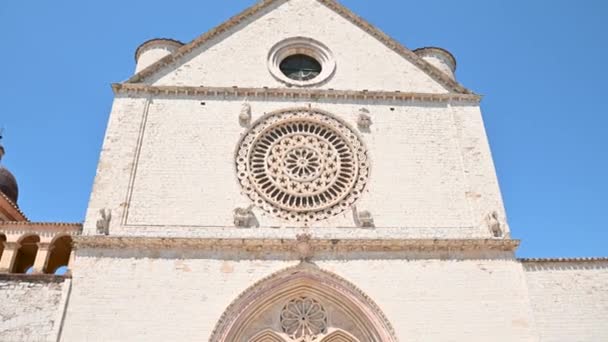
<point>303,319</point>
<point>302,165</point>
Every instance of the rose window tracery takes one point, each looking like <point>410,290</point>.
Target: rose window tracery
<point>303,319</point>
<point>302,165</point>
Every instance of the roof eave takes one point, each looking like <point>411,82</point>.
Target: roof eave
<point>11,210</point>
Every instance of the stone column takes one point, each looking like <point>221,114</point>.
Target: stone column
<point>10,249</point>
<point>43,251</point>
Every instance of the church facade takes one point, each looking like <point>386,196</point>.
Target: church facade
<point>292,175</point>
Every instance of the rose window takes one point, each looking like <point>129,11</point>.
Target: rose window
<point>303,319</point>
<point>302,165</point>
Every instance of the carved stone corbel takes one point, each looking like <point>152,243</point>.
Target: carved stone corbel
<point>245,115</point>
<point>303,247</point>
<point>245,218</point>
<point>495,226</point>
<point>103,224</point>
<point>364,121</point>
<point>363,219</point>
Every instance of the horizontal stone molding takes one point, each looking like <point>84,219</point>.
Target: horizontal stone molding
<point>292,93</point>
<point>564,264</point>
<point>562,260</point>
<point>40,228</point>
<point>288,245</point>
<point>33,278</point>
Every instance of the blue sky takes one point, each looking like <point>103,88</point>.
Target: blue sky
<point>541,66</point>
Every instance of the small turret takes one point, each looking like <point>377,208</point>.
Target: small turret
<point>439,58</point>
<point>153,50</point>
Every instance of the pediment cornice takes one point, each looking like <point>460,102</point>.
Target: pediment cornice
<point>439,76</point>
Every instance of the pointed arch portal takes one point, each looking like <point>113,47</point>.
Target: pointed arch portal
<point>303,303</point>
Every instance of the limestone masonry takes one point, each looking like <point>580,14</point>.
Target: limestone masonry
<point>309,194</point>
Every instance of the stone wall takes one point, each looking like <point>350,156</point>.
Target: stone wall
<point>569,299</point>
<point>31,307</point>
<point>172,295</point>
<point>168,168</point>
<point>168,161</point>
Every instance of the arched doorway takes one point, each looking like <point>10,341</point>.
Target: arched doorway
<point>26,254</point>
<point>59,254</point>
<point>303,303</point>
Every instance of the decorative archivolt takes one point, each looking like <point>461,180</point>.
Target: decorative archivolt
<point>303,304</point>
<point>303,319</point>
<point>267,336</point>
<point>339,336</point>
<point>271,336</point>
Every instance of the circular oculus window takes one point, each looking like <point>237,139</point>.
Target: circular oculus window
<point>301,62</point>
<point>300,67</point>
<point>302,165</point>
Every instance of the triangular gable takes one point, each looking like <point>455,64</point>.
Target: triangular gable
<point>174,58</point>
